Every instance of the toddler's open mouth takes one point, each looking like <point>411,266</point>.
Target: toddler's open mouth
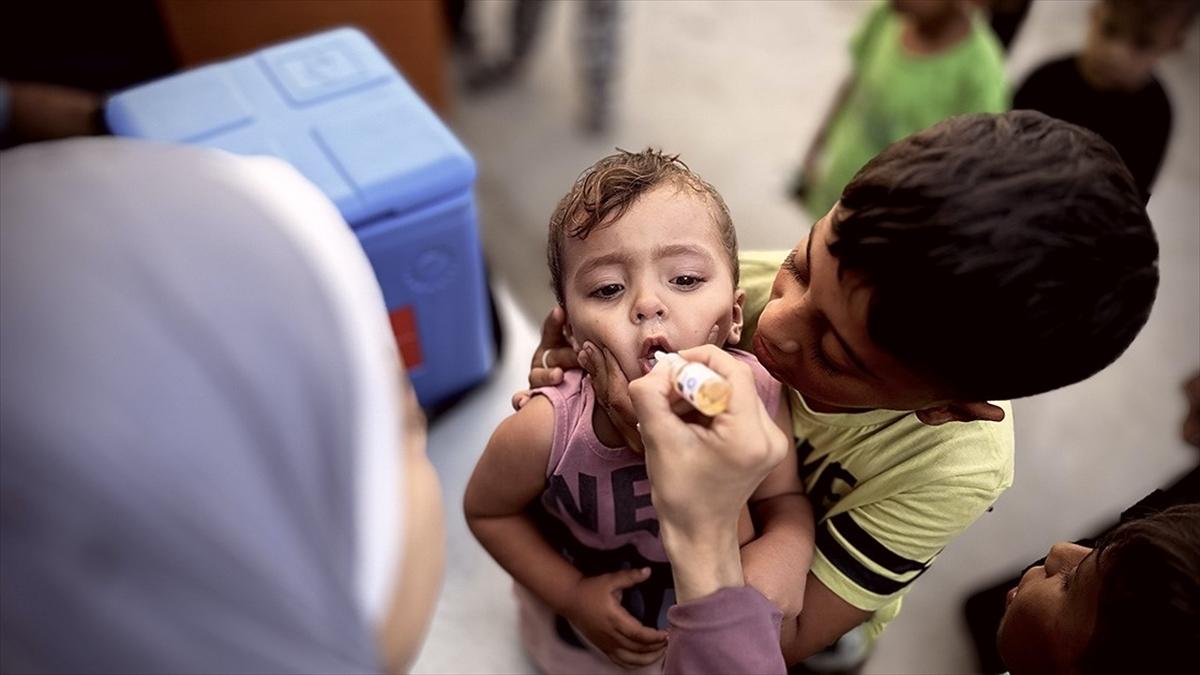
<point>650,345</point>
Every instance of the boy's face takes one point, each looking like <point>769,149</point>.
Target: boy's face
<point>658,278</point>
<point>813,336</point>
<point>1121,58</point>
<point>1049,617</point>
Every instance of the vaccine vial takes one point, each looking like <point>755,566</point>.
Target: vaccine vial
<point>697,384</point>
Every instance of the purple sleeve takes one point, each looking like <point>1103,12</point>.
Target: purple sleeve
<point>735,630</point>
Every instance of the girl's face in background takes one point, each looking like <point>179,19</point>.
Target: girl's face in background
<point>658,278</point>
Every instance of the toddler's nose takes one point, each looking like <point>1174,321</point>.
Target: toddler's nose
<point>648,306</point>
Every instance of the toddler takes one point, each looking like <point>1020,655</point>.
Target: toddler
<point>643,256</point>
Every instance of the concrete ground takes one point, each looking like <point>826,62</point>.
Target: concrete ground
<point>738,89</point>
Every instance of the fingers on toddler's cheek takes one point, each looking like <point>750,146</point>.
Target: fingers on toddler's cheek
<point>610,361</point>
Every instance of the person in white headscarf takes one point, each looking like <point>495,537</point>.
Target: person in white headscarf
<point>211,458</point>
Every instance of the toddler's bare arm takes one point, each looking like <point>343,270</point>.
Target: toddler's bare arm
<point>509,477</point>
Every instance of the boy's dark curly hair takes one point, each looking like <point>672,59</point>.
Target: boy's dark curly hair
<point>1008,254</point>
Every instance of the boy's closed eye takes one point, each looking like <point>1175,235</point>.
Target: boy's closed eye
<point>800,275</point>
<point>816,352</point>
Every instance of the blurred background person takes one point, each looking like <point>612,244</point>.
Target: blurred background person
<point>56,64</point>
<point>1110,87</point>
<point>598,26</point>
<point>916,62</point>
<point>1005,18</point>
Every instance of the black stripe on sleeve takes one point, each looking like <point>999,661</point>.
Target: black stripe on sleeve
<point>854,570</point>
<point>871,548</point>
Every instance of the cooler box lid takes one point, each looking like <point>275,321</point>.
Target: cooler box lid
<point>331,104</point>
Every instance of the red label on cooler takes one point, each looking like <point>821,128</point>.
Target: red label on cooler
<point>404,326</point>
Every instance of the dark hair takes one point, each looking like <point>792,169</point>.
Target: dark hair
<point>1008,254</point>
<point>1139,19</point>
<point>606,189</point>
<point>1148,611</point>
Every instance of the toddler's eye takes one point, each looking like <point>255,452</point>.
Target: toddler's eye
<point>607,291</point>
<point>685,280</point>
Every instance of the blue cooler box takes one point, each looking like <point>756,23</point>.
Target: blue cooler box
<point>333,106</point>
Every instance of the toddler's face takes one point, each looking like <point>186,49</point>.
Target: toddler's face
<point>813,336</point>
<point>658,278</point>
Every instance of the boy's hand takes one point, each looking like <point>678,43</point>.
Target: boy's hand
<point>612,392</point>
<point>552,356</point>
<point>596,612</point>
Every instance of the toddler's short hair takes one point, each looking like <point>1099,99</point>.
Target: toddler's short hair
<point>606,189</point>
<point>1008,254</point>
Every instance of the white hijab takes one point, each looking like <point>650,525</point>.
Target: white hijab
<point>199,417</point>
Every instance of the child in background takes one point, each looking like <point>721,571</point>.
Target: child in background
<point>1110,87</point>
<point>643,256</point>
<point>915,63</point>
<point>1129,605</point>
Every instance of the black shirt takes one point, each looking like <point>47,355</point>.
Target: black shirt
<point>1136,123</point>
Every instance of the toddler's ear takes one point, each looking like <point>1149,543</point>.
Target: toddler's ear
<point>735,328</point>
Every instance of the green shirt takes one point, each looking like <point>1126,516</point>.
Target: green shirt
<point>896,93</point>
<point>888,492</point>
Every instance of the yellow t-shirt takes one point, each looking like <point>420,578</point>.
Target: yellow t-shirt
<point>889,492</point>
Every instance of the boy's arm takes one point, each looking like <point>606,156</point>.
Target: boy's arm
<point>826,617</point>
<point>777,562</point>
<point>868,556</point>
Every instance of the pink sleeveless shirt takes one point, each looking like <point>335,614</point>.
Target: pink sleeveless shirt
<point>596,508</point>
